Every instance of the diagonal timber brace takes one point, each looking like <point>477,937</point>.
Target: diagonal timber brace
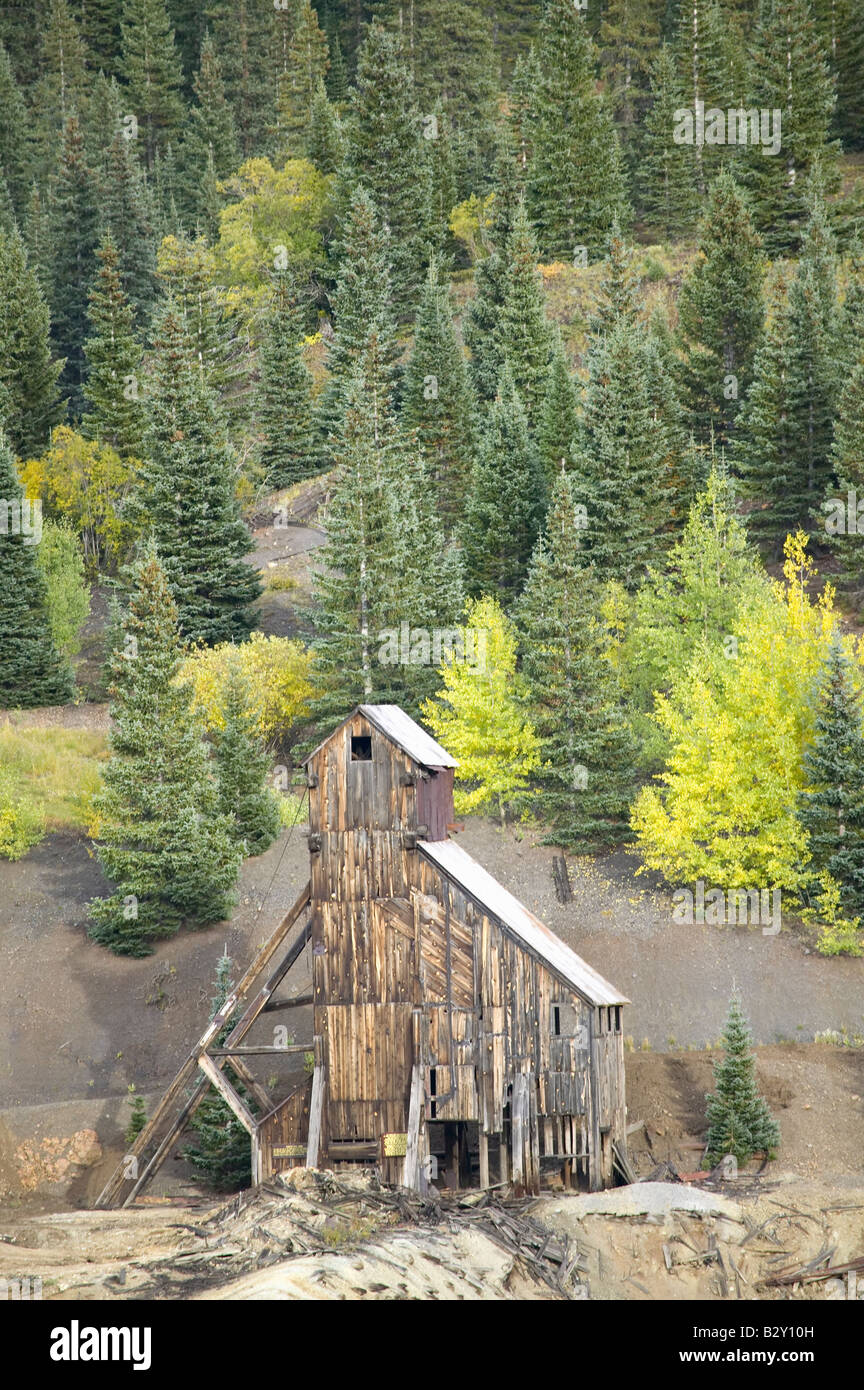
<point>178,1105</point>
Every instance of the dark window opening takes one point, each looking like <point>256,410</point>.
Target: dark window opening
<point>565,1021</point>
<point>361,748</point>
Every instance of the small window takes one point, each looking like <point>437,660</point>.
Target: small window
<point>361,748</point>
<point>565,1021</point>
<point>617,1018</point>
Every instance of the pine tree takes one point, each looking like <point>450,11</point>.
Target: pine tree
<point>283,410</point>
<point>524,111</point>
<point>832,807</point>
<point>242,766</point>
<point>625,453</point>
<point>847,458</point>
<point>739,1121</point>
<point>618,290</point>
<point>712,71</point>
<point>74,235</point>
<point>243,35</point>
<point>126,210</point>
<point>505,505</point>
<point>628,36</point>
<point>576,179</point>
<point>31,669</point>
<point>29,401</point>
<point>113,388</point>
<point>482,336</point>
<point>308,59</point>
<point>720,311</point>
<point>99,23</point>
<point>326,143</point>
<point>160,836</point>
<point>137,1119</point>
<point>436,398</point>
<point>667,175</point>
<point>337,75</point>
<point>524,337</point>
<point>13,122</point>
<point>383,540</point>
<point>385,153</point>
<point>222,1153</point>
<point>186,493</point>
<point>558,423</point>
<point>586,776</point>
<point>150,65</point>
<point>63,87</point>
<point>789,73</point>
<point>209,133</point>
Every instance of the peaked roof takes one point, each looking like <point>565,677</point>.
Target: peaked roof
<point>495,899</point>
<point>401,729</point>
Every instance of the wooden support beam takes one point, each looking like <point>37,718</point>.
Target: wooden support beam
<point>227,1092</point>
<point>316,1107</point>
<point>484,1158</point>
<point>519,1127</point>
<point>264,1099</point>
<point>298,1002</point>
<point>259,1051</point>
<point>412,1175</point>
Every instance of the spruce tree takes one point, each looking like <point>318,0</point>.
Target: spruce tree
<point>667,176</point>
<point>847,460</point>
<point>63,87</point>
<point>559,421</point>
<point>326,142</point>
<point>160,838</point>
<point>29,398</point>
<point>113,390</point>
<point>186,492</point>
<point>126,210</point>
<point>13,122</point>
<point>221,1154</point>
<point>74,236</point>
<point>436,398</point>
<point>242,768</point>
<point>307,61</point>
<point>482,336</point>
<point>99,23</point>
<point>209,134</point>
<point>788,72</point>
<point>524,337</point>
<point>712,70</point>
<point>150,65</point>
<point>720,312</point>
<point>739,1121</point>
<point>506,502</point>
<point>832,807</point>
<point>627,38</point>
<point>576,180</point>
<point>618,290</point>
<point>243,33</point>
<point>386,154</point>
<point>586,777</point>
<point>32,671</point>
<point>283,410</point>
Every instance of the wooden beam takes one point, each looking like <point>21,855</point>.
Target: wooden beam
<point>412,1175</point>
<point>484,1158</point>
<point>259,1051</point>
<point>316,1107</point>
<point>299,1002</point>
<point>228,1094</point>
<point>264,1099</point>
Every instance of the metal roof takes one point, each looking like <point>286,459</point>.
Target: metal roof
<point>495,899</point>
<point>402,730</point>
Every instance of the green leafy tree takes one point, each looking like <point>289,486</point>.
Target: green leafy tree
<point>29,397</point>
<point>586,774</point>
<point>720,312</point>
<point>242,767</point>
<point>832,805</point>
<point>32,672</point>
<point>505,505</point>
<point>74,235</point>
<point>62,564</point>
<point>480,715</point>
<point>115,408</point>
<point>159,834</point>
<point>186,493</point>
<point>221,1155</point>
<point>436,397</point>
<point>150,66</point>
<point>284,394</point>
<point>739,1121</point>
<point>576,180</point>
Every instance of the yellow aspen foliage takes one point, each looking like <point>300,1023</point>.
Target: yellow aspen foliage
<point>277,672</point>
<point>85,483</point>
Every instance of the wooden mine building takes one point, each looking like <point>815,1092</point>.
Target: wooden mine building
<point>456,1039</point>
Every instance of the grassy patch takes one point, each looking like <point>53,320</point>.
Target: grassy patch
<point>54,771</point>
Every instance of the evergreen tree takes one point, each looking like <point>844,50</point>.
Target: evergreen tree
<point>482,336</point>
<point>832,807</point>
<point>628,36</point>
<point>847,458</point>
<point>307,61</point>
<point>137,1119</point>
<point>559,421</point>
<point>126,211</point>
<point>576,180</point>
<point>436,397</point>
<point>74,235</point>
<point>99,23</point>
<point>63,87</point>
<point>13,124</point>
<point>386,155</point>
<point>667,175</point>
<point>187,494</point>
<point>31,669</point>
<point>383,540</point>
<point>789,73</point>
<point>29,403</point>
<point>222,1153</point>
<point>325,144</point>
<point>618,291</point>
<point>712,71</point>
<point>150,65</point>
<point>284,395</point>
<point>525,341</point>
<point>115,408</point>
<point>209,135</point>
<point>739,1121</point>
<point>720,311</point>
<point>524,103</point>
<point>243,34</point>
<point>337,75</point>
<point>189,20</point>
<point>586,775</point>
<point>505,505</point>
<point>160,836</point>
<point>242,766</point>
